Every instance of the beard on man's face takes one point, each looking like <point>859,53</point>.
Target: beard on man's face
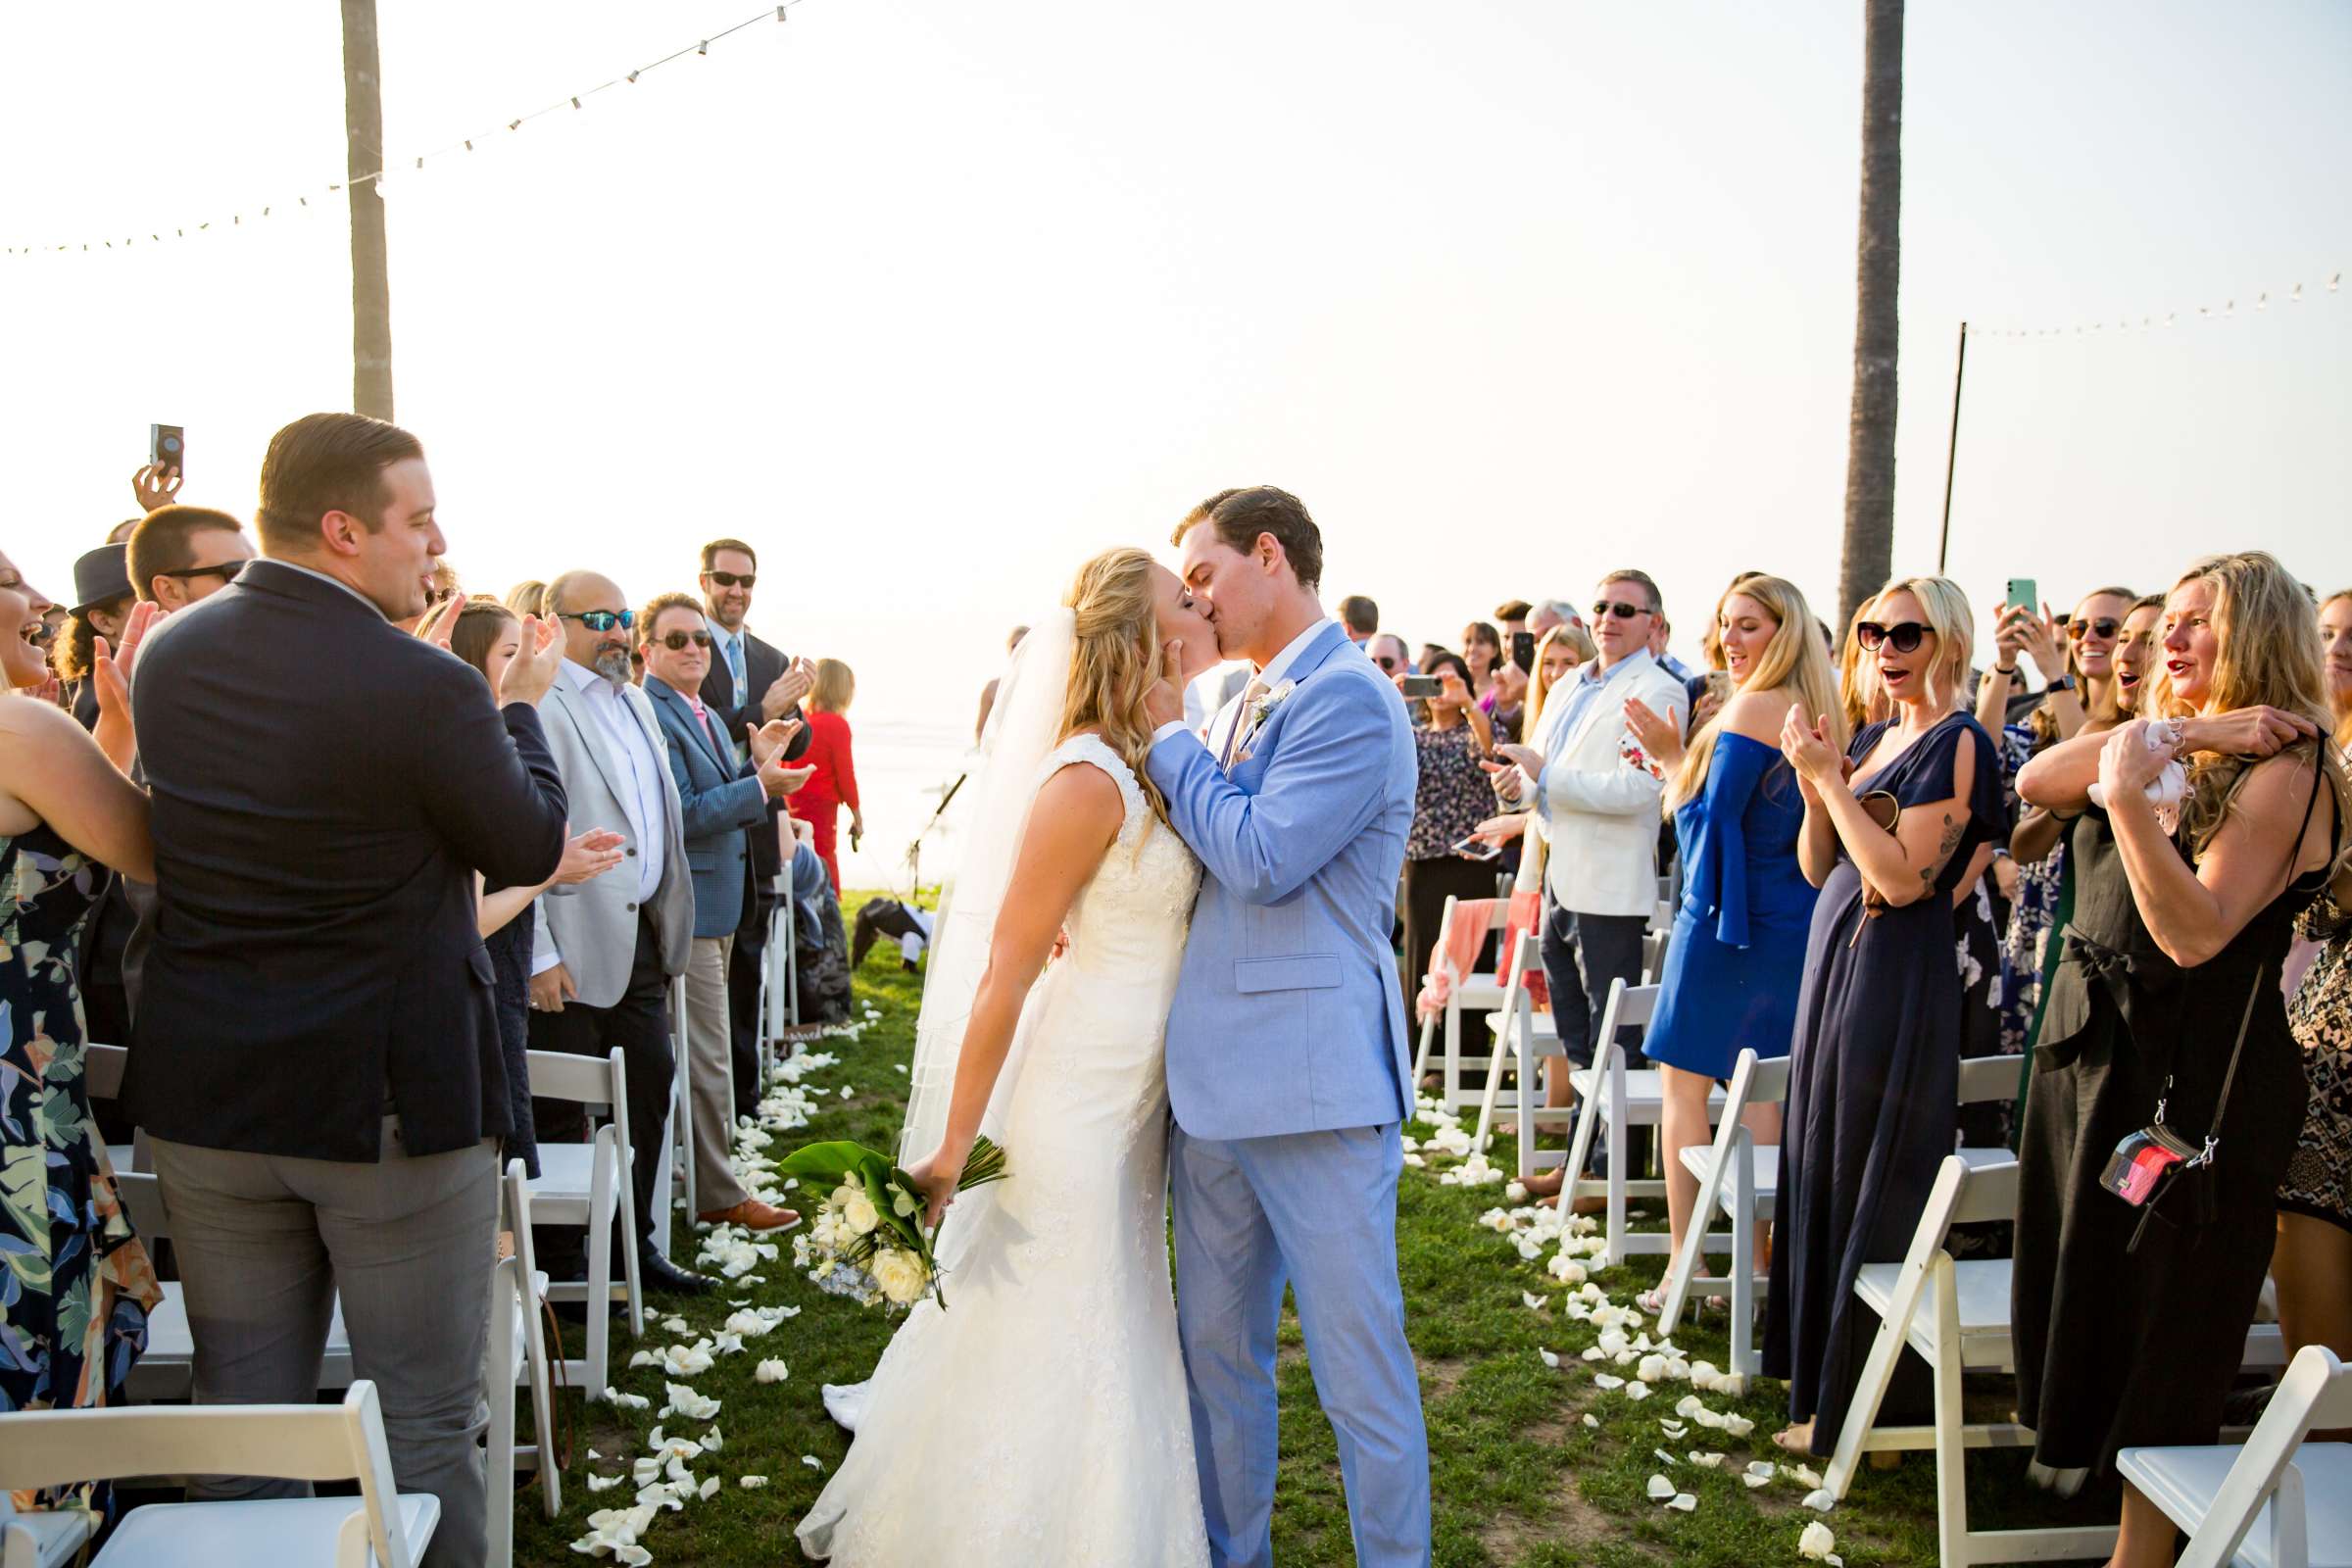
<point>613,664</point>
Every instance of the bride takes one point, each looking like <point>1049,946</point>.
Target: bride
<point>1043,1419</point>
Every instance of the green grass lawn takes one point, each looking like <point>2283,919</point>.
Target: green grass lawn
<point>1518,1476</point>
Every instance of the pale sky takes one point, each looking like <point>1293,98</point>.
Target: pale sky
<point>932,299</point>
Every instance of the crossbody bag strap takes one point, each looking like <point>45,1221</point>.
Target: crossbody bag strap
<point>2213,1132</point>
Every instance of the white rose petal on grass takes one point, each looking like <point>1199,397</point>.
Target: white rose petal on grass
<point>673,1325</point>
<point>1550,1358</point>
<point>1817,1543</point>
<point>1530,1300</point>
<point>597,1483</point>
<point>1593,1352</point>
<point>770,1370</point>
<point>1709,1461</point>
<point>1753,1482</point>
<point>1653,1369</point>
<point>1804,1475</point>
<point>1608,1379</point>
<point>1593,1421</point>
<point>1637,1389</point>
<point>747,1483</point>
<point>1663,1456</point>
<point>1737,1426</point>
<point>708,1488</point>
<point>1683,1502</point>
<point>627,1401</point>
<point>813,1461</point>
<point>1660,1489</point>
<point>1820,1501</point>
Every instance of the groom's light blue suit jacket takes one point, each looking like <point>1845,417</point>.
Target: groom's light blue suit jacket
<point>1287,1019</point>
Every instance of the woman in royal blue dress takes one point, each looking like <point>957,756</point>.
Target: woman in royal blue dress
<point>1738,946</point>
<point>1875,1059</point>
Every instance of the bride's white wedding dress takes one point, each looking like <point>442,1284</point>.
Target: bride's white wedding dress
<point>1041,1418</point>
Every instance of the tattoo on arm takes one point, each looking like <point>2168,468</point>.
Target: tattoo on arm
<point>1944,851</point>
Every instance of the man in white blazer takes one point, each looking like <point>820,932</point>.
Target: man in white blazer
<point>606,949</point>
<point>1598,795</point>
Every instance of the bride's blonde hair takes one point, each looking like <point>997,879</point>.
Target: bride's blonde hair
<point>1115,660</point>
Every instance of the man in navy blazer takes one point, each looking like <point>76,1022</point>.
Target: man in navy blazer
<point>750,683</point>
<point>315,1053</point>
<point>725,804</point>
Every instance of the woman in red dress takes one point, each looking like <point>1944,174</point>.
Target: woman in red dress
<point>835,784</point>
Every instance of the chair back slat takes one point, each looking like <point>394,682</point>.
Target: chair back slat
<point>588,1080</point>
<point>102,1070</point>
<point>1986,1193</point>
<point>1629,1007</point>
<point>1993,1078</point>
<point>143,1202</point>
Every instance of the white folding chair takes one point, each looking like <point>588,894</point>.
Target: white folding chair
<point>1741,1179</point>
<point>387,1528</point>
<point>167,1370</point>
<point>518,1352</point>
<point>1609,1091</point>
<point>1474,991</point>
<point>2276,1502</point>
<point>1964,1327</point>
<point>48,1538</point>
<point>1522,1038</point>
<point>681,1097</point>
<point>588,1184</point>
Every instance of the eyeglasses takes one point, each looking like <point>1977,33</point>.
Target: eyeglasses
<point>226,571</point>
<point>1618,608</point>
<point>734,579</point>
<point>676,641</point>
<point>1905,635</point>
<point>601,620</point>
<point>1387,661</point>
<point>2105,626</point>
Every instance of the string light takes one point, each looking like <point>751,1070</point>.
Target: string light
<point>2228,310</point>
<point>700,48</point>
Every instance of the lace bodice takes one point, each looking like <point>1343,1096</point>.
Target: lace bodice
<point>1130,917</point>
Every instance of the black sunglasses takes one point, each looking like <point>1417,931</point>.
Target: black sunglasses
<point>2105,626</point>
<point>676,641</point>
<point>601,620</point>
<point>733,579</point>
<point>226,571</point>
<point>1905,635</point>
<point>1385,661</point>
<point>1620,608</point>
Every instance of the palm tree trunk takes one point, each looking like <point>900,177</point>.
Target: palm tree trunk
<point>371,269</point>
<point>1870,423</point>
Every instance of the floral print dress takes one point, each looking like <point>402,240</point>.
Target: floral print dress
<point>76,1285</point>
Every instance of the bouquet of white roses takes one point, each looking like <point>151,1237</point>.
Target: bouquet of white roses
<point>866,1240</point>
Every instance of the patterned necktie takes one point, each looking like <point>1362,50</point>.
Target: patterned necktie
<point>1241,720</point>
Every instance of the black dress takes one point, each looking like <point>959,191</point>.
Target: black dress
<point>1874,1075</point>
<point>509,948</point>
<point>2119,1346</point>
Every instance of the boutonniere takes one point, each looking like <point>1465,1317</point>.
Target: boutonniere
<point>1258,712</point>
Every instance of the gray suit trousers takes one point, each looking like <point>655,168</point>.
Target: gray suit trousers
<point>265,1241</point>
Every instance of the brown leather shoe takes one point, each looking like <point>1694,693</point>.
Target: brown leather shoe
<point>753,1215</point>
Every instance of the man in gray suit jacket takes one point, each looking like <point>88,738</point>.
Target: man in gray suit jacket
<point>724,802</point>
<point>607,950</point>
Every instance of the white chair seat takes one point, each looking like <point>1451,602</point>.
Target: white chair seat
<point>564,1172</point>
<point>205,1535</point>
<point>2185,1482</point>
<point>1645,1091</point>
<point>1766,1163</point>
<point>56,1533</point>
<point>1982,1285</point>
<point>121,1156</point>
<point>1540,1027</point>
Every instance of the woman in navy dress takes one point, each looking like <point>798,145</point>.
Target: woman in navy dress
<point>1738,946</point>
<point>1875,1059</point>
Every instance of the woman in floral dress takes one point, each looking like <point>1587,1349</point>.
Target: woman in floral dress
<point>76,1286</point>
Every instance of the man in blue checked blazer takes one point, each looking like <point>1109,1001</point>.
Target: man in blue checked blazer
<point>1288,1061</point>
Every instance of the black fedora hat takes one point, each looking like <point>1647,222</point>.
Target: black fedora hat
<point>101,576</point>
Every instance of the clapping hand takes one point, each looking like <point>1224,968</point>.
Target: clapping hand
<point>772,739</point>
<point>1660,736</point>
<point>533,669</point>
<point>780,782</point>
<point>1500,830</point>
<point>110,670</point>
<point>785,692</point>
<point>588,857</point>
<point>1807,743</point>
<point>156,486</point>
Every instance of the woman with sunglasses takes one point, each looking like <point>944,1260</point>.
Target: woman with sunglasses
<point>80,1285</point>
<point>487,635</point>
<point>2313,1262</point>
<point>2083,699</point>
<point>1738,946</point>
<point>1890,835</point>
<point>2130,1320</point>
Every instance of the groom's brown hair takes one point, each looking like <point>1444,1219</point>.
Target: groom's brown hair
<point>1241,516</point>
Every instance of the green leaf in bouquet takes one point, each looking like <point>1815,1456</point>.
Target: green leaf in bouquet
<point>827,1162</point>
<point>882,1185</point>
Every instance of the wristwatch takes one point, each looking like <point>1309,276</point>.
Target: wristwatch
<point>2063,683</point>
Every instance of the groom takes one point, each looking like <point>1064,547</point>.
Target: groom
<point>1287,1055</point>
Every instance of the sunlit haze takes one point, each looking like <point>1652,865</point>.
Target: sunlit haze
<point>932,300</point>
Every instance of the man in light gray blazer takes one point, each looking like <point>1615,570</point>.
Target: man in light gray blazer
<point>607,949</point>
<point>1288,1061</point>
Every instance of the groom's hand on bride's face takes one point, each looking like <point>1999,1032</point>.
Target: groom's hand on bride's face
<point>1163,704</point>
